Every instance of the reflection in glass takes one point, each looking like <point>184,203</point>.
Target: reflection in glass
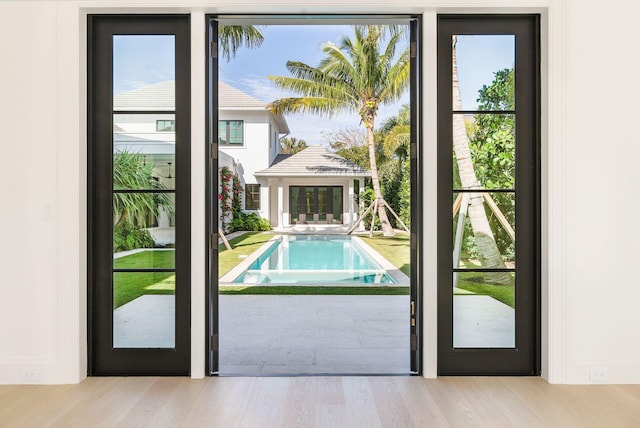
<point>337,204</point>
<point>294,204</point>
<point>143,310</point>
<point>484,232</point>
<point>483,313</point>
<point>309,205</point>
<point>483,65</point>
<point>322,204</point>
<point>489,161</point>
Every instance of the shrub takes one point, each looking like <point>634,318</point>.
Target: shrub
<point>249,222</point>
<point>128,237</point>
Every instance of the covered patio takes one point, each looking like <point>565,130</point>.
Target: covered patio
<point>312,187</point>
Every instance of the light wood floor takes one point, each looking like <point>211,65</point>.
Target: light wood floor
<point>320,401</point>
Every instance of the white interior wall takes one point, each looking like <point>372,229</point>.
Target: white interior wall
<point>590,293</point>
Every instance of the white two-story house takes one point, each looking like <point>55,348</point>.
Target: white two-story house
<point>310,187</point>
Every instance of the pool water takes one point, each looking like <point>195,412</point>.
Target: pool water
<point>313,259</point>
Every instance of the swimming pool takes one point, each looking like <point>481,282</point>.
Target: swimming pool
<point>313,259</point>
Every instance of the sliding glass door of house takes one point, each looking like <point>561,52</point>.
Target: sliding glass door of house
<point>139,195</point>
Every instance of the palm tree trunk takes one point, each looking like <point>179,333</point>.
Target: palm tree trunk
<point>488,252</point>
<point>387,230</point>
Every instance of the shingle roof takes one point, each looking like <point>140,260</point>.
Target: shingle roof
<point>313,161</point>
<point>161,96</point>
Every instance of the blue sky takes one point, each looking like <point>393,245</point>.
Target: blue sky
<point>143,60</point>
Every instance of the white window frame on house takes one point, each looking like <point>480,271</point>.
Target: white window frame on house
<point>169,125</point>
<point>253,198</point>
<point>225,143</point>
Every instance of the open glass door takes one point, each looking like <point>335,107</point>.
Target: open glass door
<point>323,296</point>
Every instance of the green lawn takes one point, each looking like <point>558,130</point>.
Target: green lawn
<point>242,245</point>
<point>146,259</point>
<point>131,285</point>
<point>393,248</point>
<point>475,282</point>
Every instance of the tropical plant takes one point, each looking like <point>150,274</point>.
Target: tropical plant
<point>232,37</point>
<point>357,75</point>
<point>131,172</point>
<point>396,134</point>
<point>250,222</point>
<point>492,144</point>
<point>291,145</point>
<point>485,243</point>
<point>225,195</point>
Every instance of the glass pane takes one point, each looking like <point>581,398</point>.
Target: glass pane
<point>143,158</point>
<point>484,151</point>
<point>143,222</point>
<point>143,310</point>
<point>322,203</point>
<point>144,72</point>
<point>294,204</point>
<point>337,204</point>
<point>484,231</point>
<point>230,132</point>
<point>309,204</point>
<point>483,72</point>
<point>483,313</point>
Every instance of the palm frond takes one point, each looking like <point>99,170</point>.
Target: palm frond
<point>320,106</point>
<point>232,37</point>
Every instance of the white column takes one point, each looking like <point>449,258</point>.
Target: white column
<point>350,199</point>
<point>360,204</point>
<point>280,202</point>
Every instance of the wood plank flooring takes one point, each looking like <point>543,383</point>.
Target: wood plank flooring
<point>320,402</point>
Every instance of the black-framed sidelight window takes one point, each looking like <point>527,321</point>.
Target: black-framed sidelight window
<point>488,194</point>
<point>139,195</point>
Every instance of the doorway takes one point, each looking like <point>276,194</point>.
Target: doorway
<point>294,194</point>
<point>316,204</point>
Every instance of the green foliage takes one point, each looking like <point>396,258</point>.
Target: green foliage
<point>367,196</point>
<point>492,144</point>
<point>404,201</point>
<point>391,177</point>
<point>130,172</point>
<point>291,145</point>
<point>356,154</point>
<point>251,222</point>
<point>236,199</point>
<point>128,237</point>
<point>232,37</point>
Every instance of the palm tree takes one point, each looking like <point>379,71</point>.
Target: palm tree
<point>489,254</point>
<point>291,145</point>
<point>232,37</point>
<point>396,133</point>
<point>130,172</point>
<point>358,75</point>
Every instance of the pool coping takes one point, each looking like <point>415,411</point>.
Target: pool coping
<point>401,279</point>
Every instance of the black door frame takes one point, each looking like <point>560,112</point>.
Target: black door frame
<point>416,162</point>
<point>103,358</point>
<point>524,359</point>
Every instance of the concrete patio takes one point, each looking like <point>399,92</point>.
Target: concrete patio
<point>306,334</point>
